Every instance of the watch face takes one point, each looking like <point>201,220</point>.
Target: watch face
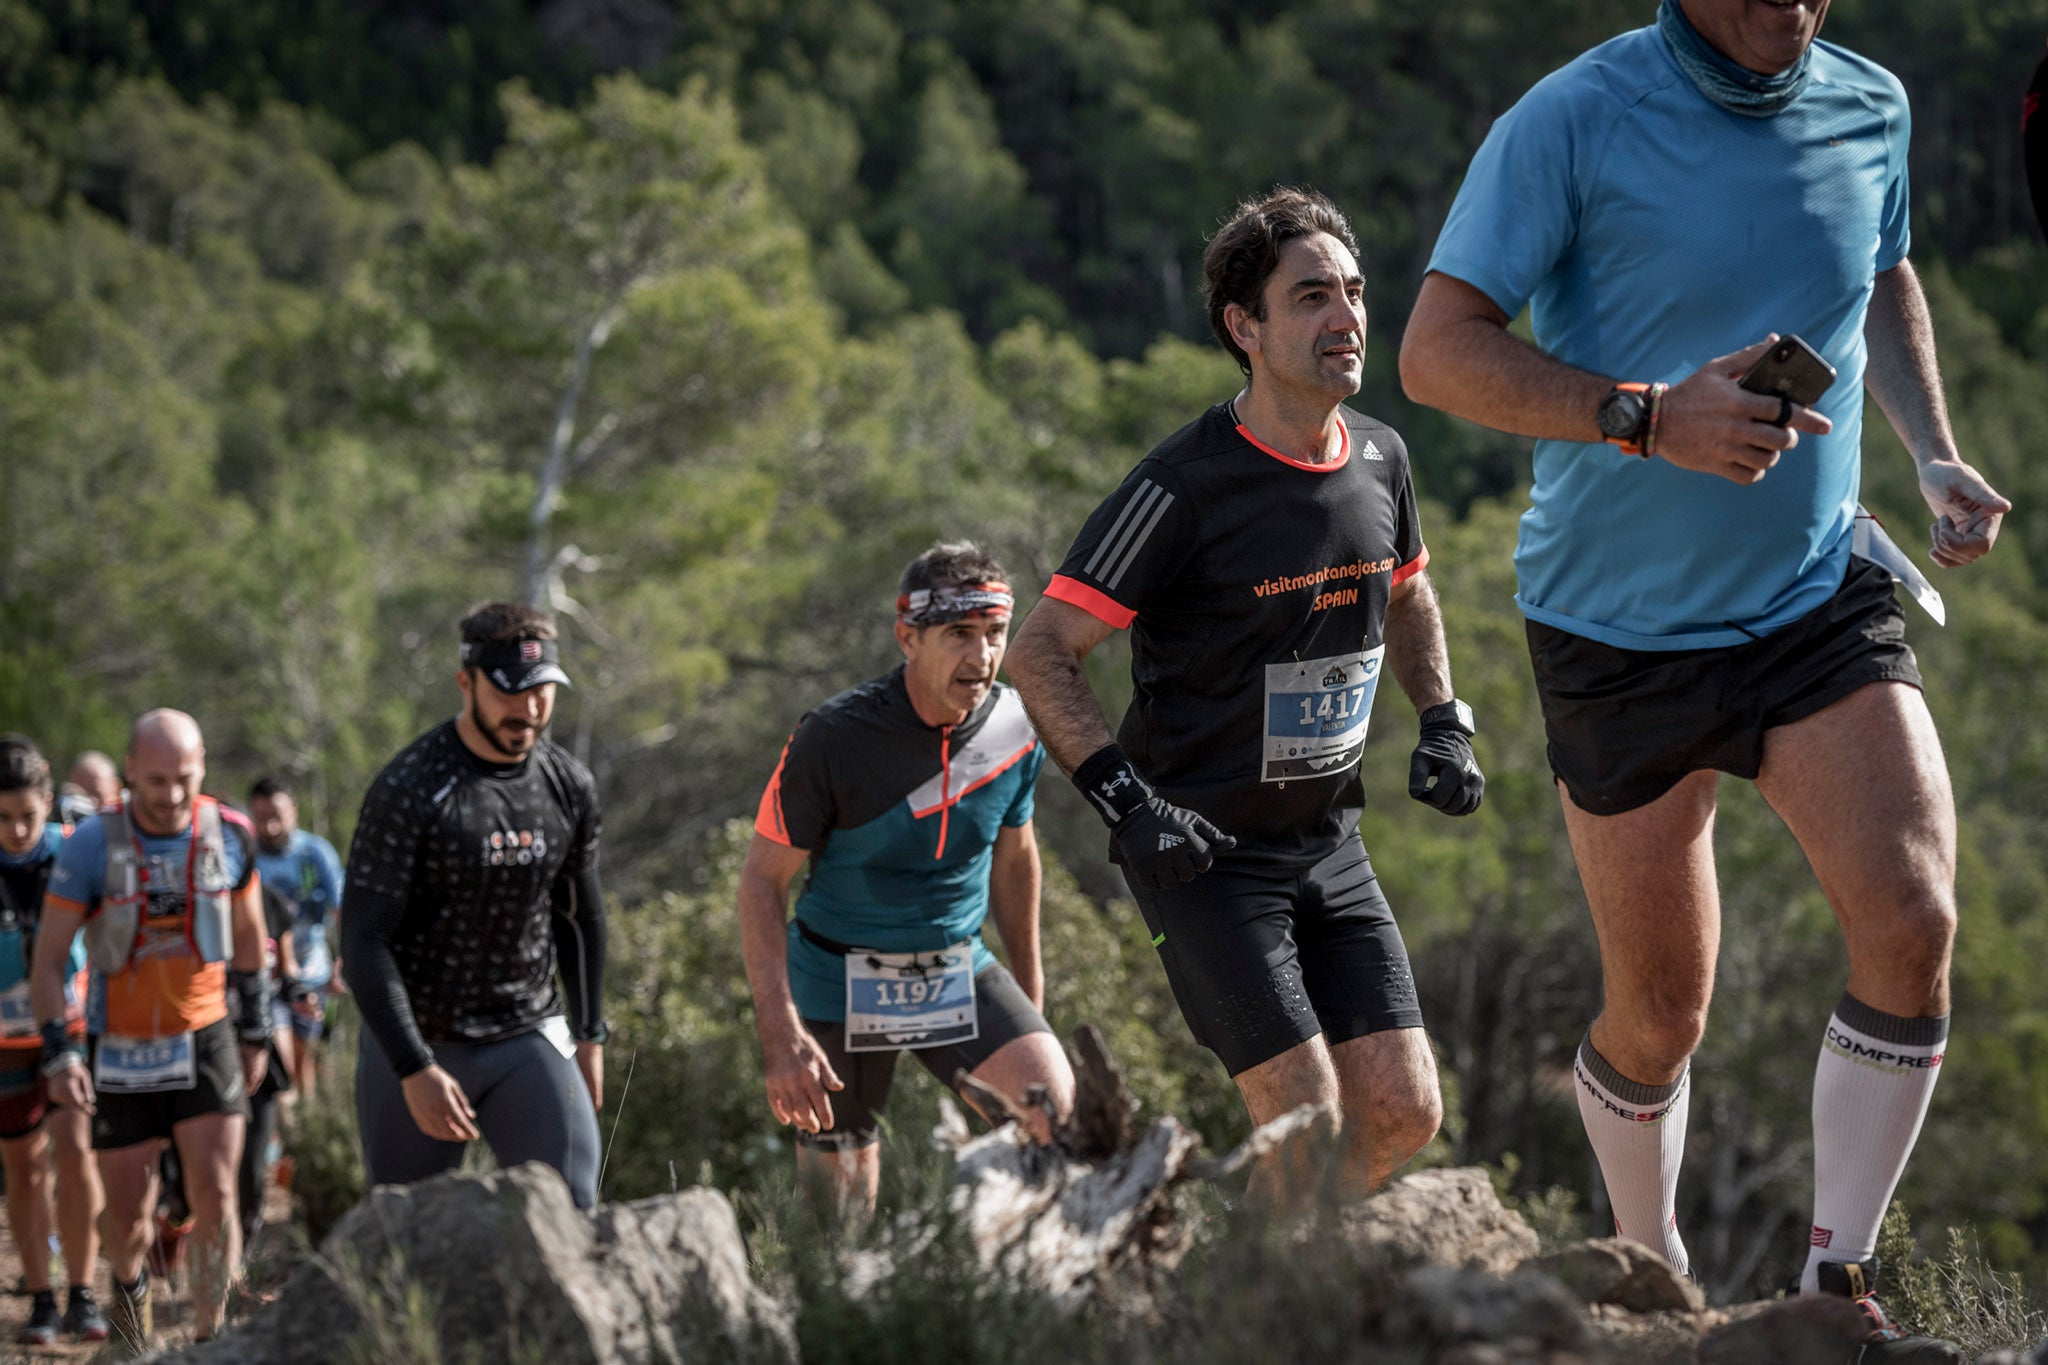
<point>1620,415</point>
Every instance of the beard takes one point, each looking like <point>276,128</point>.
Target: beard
<point>506,736</point>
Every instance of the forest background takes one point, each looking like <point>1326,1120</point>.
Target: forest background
<point>321,321</point>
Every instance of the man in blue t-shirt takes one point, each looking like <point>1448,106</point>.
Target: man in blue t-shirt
<point>910,799</point>
<point>304,869</point>
<point>1666,205</point>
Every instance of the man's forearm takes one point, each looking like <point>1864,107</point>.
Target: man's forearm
<point>1414,633</point>
<point>1014,885</point>
<point>764,948</point>
<point>1903,374</point>
<point>1458,356</point>
<point>1054,688</point>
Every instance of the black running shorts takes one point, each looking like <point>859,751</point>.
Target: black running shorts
<point>1005,1014</point>
<point>1262,961</point>
<point>1626,725</point>
<point>123,1120</point>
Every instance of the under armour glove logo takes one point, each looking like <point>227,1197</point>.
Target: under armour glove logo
<point>1159,844</point>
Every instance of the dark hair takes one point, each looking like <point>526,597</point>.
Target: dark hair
<point>951,564</point>
<point>22,766</point>
<point>269,787</point>
<point>494,621</point>
<point>1242,255</point>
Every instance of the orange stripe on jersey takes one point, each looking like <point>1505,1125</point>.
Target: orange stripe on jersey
<point>768,821</point>
<point>1095,602</point>
<point>1412,567</point>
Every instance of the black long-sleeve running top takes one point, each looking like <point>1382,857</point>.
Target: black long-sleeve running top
<point>467,882</point>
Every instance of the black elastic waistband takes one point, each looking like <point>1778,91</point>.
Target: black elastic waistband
<point>830,945</point>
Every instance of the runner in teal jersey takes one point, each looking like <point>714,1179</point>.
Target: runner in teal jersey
<point>909,797</point>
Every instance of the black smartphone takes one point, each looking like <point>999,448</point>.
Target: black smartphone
<point>1790,369</point>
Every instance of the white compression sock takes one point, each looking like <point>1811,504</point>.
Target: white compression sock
<point>1870,1093</point>
<point>1638,1134</point>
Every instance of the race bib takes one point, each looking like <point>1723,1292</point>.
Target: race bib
<point>1869,540</point>
<point>142,1066</point>
<point>555,1028</point>
<point>1316,713</point>
<point>17,1015</point>
<point>910,1000</point>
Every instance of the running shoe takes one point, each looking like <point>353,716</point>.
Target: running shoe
<point>129,1320</point>
<point>1887,1343</point>
<point>43,1321</point>
<point>83,1320</point>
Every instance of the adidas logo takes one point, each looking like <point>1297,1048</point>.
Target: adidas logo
<point>1371,451</point>
<point>1167,841</point>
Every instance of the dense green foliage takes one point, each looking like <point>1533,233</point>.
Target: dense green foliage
<point>319,322</point>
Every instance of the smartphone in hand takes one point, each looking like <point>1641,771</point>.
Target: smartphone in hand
<point>1790,369</point>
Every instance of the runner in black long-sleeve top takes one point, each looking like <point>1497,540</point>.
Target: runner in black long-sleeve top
<point>472,876</point>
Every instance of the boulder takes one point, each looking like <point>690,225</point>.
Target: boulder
<point>1817,1330</point>
<point>1525,1316</point>
<point>1624,1273</point>
<point>1447,1217</point>
<point>506,1267</point>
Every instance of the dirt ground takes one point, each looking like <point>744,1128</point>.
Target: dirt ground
<point>266,1262</point>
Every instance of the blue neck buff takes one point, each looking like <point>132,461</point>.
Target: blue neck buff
<point>1734,87</point>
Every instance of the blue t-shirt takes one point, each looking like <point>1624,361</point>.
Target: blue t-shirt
<point>19,878</point>
<point>307,873</point>
<point>901,819</point>
<point>1649,230</point>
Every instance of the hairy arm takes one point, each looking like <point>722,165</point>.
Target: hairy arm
<point>1458,355</point>
<point>1045,663</point>
<point>1905,379</point>
<point>1013,887</point>
<point>793,1067</point>
<point>1414,632</point>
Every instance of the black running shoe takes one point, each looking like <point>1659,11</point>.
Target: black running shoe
<point>1887,1343</point>
<point>83,1320</point>
<point>43,1321</point>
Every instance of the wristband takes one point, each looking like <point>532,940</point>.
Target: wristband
<point>1655,395</point>
<point>60,1050</point>
<point>1449,715</point>
<point>252,1000</point>
<point>1111,784</point>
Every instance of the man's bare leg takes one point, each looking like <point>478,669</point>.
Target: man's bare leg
<point>1649,880</point>
<point>1034,1059</point>
<point>1865,790</point>
<point>210,1151</point>
<point>29,1212</point>
<point>846,1182</point>
<point>1391,1106</point>
<point>79,1197</point>
<point>1286,1180</point>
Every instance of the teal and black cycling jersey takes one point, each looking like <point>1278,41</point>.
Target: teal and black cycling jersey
<point>900,819</point>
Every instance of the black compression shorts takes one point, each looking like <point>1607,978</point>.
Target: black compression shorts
<point>1262,961</point>
<point>121,1120</point>
<point>1005,1014</point>
<point>1625,726</point>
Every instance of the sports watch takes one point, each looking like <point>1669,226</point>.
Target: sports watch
<point>1450,715</point>
<point>1624,417</point>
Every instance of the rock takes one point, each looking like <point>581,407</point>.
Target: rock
<point>505,1266</point>
<point>1526,1316</point>
<point>1448,1217</point>
<point>1817,1330</point>
<point>1614,1270</point>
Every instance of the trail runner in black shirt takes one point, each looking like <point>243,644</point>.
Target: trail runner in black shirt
<point>472,875</point>
<point>1267,559</point>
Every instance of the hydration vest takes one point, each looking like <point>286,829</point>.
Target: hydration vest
<point>112,933</point>
<point>18,923</point>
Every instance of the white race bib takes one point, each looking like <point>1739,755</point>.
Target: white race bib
<point>17,1015</point>
<point>555,1028</point>
<point>142,1066</point>
<point>1316,714</point>
<point>1869,540</point>
<point>910,1000</point>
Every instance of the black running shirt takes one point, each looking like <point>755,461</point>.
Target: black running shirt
<point>1254,587</point>
<point>467,881</point>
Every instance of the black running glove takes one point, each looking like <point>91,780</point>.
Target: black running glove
<point>1443,773</point>
<point>1160,844</point>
